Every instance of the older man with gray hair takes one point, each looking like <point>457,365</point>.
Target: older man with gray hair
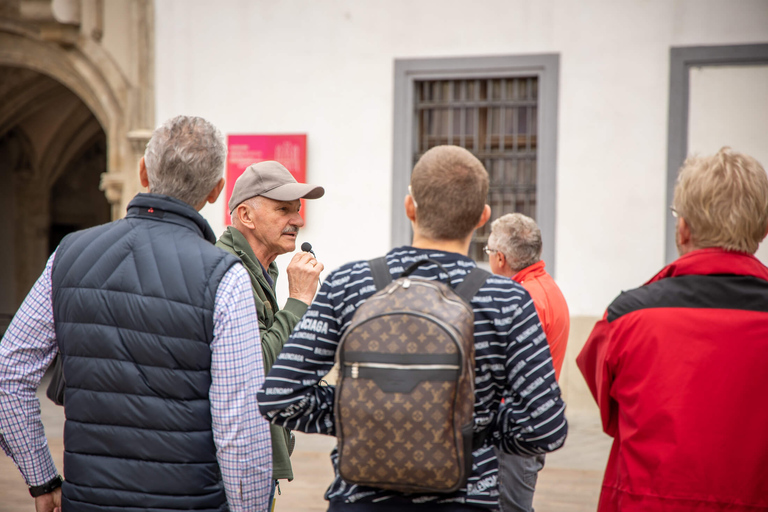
<point>516,253</point>
<point>264,208</point>
<point>159,339</point>
<point>514,250</point>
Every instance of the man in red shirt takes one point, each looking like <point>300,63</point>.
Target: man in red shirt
<point>514,251</point>
<point>678,366</point>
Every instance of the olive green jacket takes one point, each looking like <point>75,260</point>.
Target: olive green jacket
<point>275,325</point>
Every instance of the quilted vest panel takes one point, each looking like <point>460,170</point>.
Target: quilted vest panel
<point>133,308</point>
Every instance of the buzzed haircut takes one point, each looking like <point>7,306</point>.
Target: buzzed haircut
<point>518,237</point>
<point>450,187</point>
<point>724,200</point>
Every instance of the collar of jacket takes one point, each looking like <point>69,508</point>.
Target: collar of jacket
<point>242,249</point>
<point>535,270</point>
<point>713,260</point>
<point>169,209</point>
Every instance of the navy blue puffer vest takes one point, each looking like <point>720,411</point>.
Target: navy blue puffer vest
<point>133,310</point>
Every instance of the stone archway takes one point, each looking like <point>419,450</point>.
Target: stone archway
<point>75,116</point>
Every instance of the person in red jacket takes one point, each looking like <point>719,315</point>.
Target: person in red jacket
<point>678,366</point>
<point>514,250</point>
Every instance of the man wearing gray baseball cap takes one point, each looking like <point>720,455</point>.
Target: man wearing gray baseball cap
<point>264,208</point>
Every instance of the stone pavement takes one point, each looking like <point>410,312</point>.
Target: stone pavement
<point>569,482</point>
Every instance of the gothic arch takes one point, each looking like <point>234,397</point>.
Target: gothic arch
<point>80,63</point>
<point>88,112</point>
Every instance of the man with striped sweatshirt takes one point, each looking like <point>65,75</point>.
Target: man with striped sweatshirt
<point>446,204</point>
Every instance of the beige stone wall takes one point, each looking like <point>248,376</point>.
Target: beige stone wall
<point>575,391</point>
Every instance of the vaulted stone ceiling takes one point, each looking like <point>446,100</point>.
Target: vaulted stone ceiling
<point>52,126</point>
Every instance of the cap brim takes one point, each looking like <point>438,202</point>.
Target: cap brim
<point>294,191</point>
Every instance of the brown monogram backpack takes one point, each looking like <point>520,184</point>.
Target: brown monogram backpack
<point>406,391</point>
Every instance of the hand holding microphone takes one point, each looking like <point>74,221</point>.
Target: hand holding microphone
<point>304,274</point>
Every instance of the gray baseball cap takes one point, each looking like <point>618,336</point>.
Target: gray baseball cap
<point>272,180</point>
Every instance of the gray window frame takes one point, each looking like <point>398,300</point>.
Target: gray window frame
<point>681,60</point>
<point>545,66</point>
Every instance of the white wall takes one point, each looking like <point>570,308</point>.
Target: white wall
<point>325,68</point>
<point>729,107</point>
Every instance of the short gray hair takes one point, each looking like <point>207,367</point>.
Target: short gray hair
<point>185,159</point>
<point>518,237</point>
<point>255,204</point>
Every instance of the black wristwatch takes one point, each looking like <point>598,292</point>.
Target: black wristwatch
<point>50,486</point>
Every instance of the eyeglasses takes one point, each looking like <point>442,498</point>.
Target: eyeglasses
<point>410,192</point>
<point>489,251</point>
<point>674,212</point>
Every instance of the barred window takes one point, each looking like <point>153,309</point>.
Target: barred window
<point>495,119</point>
<point>501,108</point>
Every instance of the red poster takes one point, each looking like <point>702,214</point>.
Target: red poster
<point>244,150</point>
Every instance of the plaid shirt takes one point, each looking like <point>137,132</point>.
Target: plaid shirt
<point>243,445</point>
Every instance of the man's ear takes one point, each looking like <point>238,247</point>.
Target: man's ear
<point>497,258</point>
<point>243,214</point>
<point>683,232</point>
<point>410,208</point>
<point>484,217</point>
<point>143,178</point>
<point>214,195</point>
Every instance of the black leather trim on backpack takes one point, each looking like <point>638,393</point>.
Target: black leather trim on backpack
<point>466,289</point>
<point>419,263</point>
<point>380,272</point>
<point>400,381</point>
<point>471,284</point>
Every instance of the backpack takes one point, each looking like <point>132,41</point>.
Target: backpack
<point>405,396</point>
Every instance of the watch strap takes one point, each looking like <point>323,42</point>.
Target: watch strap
<point>50,486</point>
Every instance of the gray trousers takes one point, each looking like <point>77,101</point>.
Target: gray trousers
<point>517,481</point>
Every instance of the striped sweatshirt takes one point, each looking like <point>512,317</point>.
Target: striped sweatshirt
<point>512,362</point>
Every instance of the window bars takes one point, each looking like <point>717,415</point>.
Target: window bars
<point>495,119</point>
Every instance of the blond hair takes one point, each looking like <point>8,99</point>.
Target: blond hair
<point>450,187</point>
<point>518,237</point>
<point>724,200</point>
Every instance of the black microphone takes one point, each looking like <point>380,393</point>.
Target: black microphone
<point>307,247</point>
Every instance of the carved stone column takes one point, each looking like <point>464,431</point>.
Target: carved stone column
<point>112,185</point>
<point>122,185</point>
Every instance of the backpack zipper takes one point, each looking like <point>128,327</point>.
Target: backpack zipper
<point>355,371</point>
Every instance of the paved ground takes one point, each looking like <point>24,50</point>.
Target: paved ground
<point>570,481</point>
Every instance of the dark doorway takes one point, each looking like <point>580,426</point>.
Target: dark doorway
<point>52,154</point>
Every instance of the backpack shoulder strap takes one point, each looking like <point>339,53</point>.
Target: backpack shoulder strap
<point>467,289</point>
<point>380,272</point>
<point>471,284</point>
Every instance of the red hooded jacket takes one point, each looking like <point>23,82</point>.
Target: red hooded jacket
<point>679,370</point>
